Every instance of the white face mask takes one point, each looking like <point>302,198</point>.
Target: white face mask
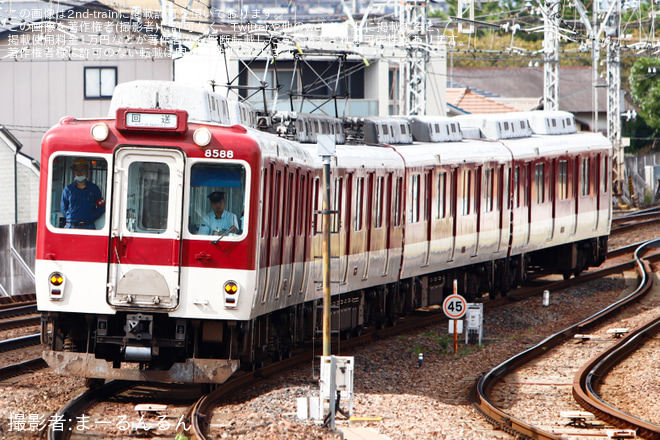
<point>80,178</point>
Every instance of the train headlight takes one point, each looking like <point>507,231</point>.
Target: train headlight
<point>231,294</point>
<point>202,137</point>
<point>100,132</point>
<point>56,282</point>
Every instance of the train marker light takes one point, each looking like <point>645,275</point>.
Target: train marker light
<point>231,294</point>
<point>56,286</point>
<point>100,132</point>
<point>202,136</point>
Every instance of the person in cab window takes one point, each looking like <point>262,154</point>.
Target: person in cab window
<point>82,202</point>
<point>218,221</point>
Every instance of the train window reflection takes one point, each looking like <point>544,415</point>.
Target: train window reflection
<point>78,191</point>
<point>148,197</point>
<point>217,199</point>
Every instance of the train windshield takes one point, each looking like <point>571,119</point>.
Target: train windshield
<point>217,199</point>
<point>78,190</point>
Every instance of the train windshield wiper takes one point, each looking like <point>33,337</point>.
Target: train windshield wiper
<point>222,235</point>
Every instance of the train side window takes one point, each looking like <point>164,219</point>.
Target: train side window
<point>489,189</point>
<point>264,205</point>
<point>414,198</point>
<point>378,215</point>
<point>605,175</point>
<point>359,200</point>
<point>302,204</point>
<point>539,183</point>
<point>78,192</point>
<point>290,192</point>
<point>562,184</point>
<point>336,204</point>
<point>467,192</point>
<point>442,194</point>
<point>316,205</point>
<point>516,187</point>
<point>217,199</point>
<point>397,201</point>
<point>584,175</point>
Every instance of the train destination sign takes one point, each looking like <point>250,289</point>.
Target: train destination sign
<point>151,120</point>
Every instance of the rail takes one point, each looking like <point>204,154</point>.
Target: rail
<point>501,419</point>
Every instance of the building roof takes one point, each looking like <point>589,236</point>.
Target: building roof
<point>468,101</point>
<point>575,84</point>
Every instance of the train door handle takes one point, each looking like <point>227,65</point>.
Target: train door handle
<point>202,256</point>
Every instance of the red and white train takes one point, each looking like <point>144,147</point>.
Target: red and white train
<point>149,292</point>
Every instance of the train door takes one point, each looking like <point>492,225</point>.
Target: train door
<point>275,239</point>
<point>428,207</point>
<point>453,202</point>
<point>478,195</point>
<point>501,206</point>
<point>287,248</point>
<point>338,229</point>
<point>264,237</point>
<point>368,216</point>
<point>386,207</point>
<point>300,217</point>
<point>146,222</point>
<point>596,186</point>
<point>551,194</point>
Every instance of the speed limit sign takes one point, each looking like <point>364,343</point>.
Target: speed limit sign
<point>454,306</point>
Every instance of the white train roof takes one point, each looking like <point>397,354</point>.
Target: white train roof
<point>548,146</point>
<point>497,126</point>
<point>435,129</point>
<point>202,105</point>
<point>551,122</point>
<point>446,153</point>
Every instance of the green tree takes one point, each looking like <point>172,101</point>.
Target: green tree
<point>645,90</point>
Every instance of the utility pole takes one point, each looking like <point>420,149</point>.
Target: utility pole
<point>551,55</point>
<point>412,76</point>
<point>612,32</point>
<point>326,149</point>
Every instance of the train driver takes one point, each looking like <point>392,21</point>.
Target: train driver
<point>82,202</point>
<point>218,221</point>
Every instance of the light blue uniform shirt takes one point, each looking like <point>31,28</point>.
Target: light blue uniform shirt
<point>213,226</point>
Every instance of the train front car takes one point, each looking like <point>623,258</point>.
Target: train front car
<point>147,263</point>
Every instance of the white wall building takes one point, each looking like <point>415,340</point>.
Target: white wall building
<point>64,60</point>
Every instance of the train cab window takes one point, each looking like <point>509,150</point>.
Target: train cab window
<point>78,192</point>
<point>217,199</point>
<point>605,176</point>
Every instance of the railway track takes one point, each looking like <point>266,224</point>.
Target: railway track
<point>586,383</point>
<point>634,220</point>
<point>480,393</point>
<point>201,413</point>
<point>201,419</point>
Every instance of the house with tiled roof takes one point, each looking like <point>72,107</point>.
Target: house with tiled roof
<point>463,100</point>
<point>521,88</point>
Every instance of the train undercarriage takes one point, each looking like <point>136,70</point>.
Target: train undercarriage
<point>152,346</point>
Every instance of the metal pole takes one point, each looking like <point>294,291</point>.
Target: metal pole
<point>326,256</point>
<point>455,322</point>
